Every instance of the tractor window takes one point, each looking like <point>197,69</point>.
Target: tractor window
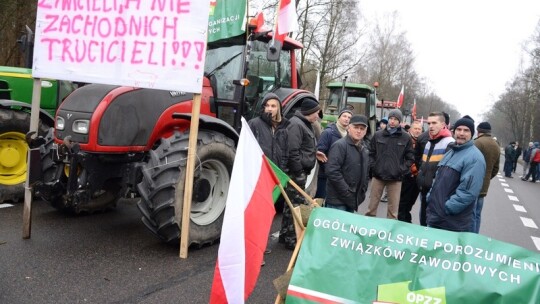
<point>224,65</point>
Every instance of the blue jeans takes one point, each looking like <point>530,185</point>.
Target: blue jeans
<point>477,211</point>
<point>339,207</point>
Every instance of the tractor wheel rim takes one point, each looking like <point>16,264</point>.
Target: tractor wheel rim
<point>13,151</point>
<point>213,174</point>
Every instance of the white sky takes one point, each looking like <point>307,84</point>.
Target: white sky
<point>466,49</point>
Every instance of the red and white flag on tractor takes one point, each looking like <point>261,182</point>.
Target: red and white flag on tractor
<point>287,19</point>
<point>400,98</point>
<point>247,221</point>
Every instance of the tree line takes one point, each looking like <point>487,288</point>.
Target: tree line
<point>340,41</point>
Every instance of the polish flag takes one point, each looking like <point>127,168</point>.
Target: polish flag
<point>400,98</point>
<point>246,224</point>
<point>287,20</point>
<point>413,111</point>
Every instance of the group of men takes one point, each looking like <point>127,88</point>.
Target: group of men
<point>447,169</point>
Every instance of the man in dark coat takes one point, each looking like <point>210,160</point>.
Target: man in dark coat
<point>409,187</point>
<point>270,130</point>
<point>390,158</point>
<point>492,154</point>
<point>330,135</point>
<point>302,149</point>
<point>509,155</point>
<point>347,168</point>
<point>516,157</point>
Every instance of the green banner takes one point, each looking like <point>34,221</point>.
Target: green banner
<point>350,258</point>
<point>226,19</point>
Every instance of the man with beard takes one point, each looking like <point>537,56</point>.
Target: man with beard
<point>457,183</point>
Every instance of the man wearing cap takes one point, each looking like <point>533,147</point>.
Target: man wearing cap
<point>302,149</point>
<point>390,158</point>
<point>509,155</point>
<point>347,168</point>
<point>492,154</point>
<point>457,183</point>
<point>330,135</point>
<point>428,152</point>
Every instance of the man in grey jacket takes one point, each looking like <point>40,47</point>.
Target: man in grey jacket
<point>347,168</point>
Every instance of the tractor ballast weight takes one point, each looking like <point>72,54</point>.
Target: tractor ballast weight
<point>111,141</point>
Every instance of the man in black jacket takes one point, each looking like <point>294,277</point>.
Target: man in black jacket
<point>302,150</point>
<point>347,168</point>
<point>270,130</point>
<point>390,157</point>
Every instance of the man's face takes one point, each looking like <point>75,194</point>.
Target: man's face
<point>393,122</point>
<point>382,125</point>
<point>416,129</point>
<point>435,125</point>
<point>462,135</point>
<point>357,132</point>
<point>344,119</point>
<point>272,106</point>
<point>312,117</point>
<point>531,145</point>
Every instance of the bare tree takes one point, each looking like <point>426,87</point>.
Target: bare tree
<point>14,15</point>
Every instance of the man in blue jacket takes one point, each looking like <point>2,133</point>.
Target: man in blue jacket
<point>457,183</point>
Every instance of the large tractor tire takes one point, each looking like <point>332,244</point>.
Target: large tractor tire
<point>56,196</point>
<point>162,187</point>
<point>14,124</point>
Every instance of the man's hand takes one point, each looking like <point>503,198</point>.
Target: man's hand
<point>300,179</point>
<point>321,157</point>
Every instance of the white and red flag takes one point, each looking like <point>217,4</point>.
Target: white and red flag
<point>286,21</point>
<point>399,102</point>
<point>413,111</point>
<point>246,224</point>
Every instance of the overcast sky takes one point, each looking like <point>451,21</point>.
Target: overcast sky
<point>467,49</point>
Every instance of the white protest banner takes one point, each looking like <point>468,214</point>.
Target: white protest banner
<point>157,44</point>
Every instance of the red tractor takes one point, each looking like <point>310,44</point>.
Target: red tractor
<point>111,141</point>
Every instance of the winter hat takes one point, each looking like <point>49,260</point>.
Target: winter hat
<point>466,121</point>
<point>310,106</point>
<point>484,127</point>
<point>536,144</point>
<point>446,118</point>
<point>384,120</point>
<point>359,120</point>
<point>346,110</point>
<point>396,114</point>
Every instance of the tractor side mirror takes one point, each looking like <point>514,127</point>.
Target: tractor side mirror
<point>274,49</point>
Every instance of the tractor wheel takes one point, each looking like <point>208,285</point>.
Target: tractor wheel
<point>102,200</point>
<point>162,187</point>
<point>13,151</point>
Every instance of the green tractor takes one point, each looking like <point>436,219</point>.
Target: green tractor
<point>16,86</point>
<point>359,98</point>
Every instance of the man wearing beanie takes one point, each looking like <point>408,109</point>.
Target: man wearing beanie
<point>430,149</point>
<point>331,134</point>
<point>302,149</point>
<point>390,158</point>
<point>457,183</point>
<point>509,156</point>
<point>492,154</point>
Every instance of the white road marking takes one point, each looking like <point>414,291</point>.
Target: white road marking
<point>513,198</point>
<point>508,190</point>
<point>536,242</point>
<point>505,185</point>
<point>502,180</point>
<point>520,208</point>
<point>527,222</point>
<point>5,205</point>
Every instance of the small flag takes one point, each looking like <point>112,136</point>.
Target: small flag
<point>317,85</point>
<point>287,20</point>
<point>400,98</point>
<point>247,221</point>
<point>413,111</point>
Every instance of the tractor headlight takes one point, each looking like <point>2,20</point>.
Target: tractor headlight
<point>60,123</point>
<point>81,126</point>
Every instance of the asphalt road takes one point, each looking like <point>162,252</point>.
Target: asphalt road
<point>111,257</point>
